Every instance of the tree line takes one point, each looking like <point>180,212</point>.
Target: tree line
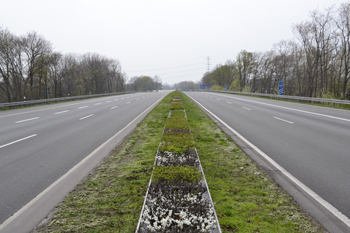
<point>315,64</point>
<point>144,83</point>
<point>29,65</point>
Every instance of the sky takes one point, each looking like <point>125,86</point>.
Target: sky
<point>171,39</point>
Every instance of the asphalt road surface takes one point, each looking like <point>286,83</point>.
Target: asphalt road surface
<point>312,143</point>
<point>38,145</point>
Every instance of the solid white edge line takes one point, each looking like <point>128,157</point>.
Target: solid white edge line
<point>314,195</point>
<point>62,112</point>
<point>22,139</point>
<point>283,120</point>
<point>247,108</point>
<point>86,117</point>
<point>26,120</point>
<point>15,215</point>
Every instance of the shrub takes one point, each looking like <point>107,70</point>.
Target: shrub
<point>176,173</point>
<point>177,142</point>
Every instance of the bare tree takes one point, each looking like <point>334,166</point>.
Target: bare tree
<point>7,41</point>
<point>34,47</point>
<point>343,24</point>
<point>157,82</point>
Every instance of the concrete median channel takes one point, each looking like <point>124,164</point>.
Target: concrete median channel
<point>178,197</point>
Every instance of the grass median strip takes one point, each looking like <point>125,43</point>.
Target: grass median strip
<point>111,197</point>
<point>178,199</point>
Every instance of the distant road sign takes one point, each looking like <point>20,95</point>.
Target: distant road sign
<point>225,88</point>
<point>202,86</point>
<point>280,88</point>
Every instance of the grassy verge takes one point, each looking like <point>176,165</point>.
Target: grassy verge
<point>245,199</point>
<point>111,198</point>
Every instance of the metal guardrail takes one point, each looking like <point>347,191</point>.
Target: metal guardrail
<point>45,101</point>
<point>289,97</point>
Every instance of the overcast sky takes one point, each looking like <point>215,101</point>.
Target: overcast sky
<point>171,39</point>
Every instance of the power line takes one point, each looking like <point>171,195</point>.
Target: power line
<point>168,68</point>
<point>186,76</point>
<point>179,71</point>
<point>208,63</point>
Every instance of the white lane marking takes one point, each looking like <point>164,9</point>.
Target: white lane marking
<point>62,112</point>
<point>22,139</point>
<point>86,117</point>
<point>114,107</point>
<point>82,107</point>
<point>44,109</point>
<point>314,195</point>
<point>283,120</point>
<point>228,102</point>
<point>128,102</point>
<point>116,99</point>
<point>27,120</point>
<point>247,108</point>
<point>108,101</point>
<point>97,104</point>
<point>292,109</point>
<point>73,169</point>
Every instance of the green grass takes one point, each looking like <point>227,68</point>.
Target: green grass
<point>176,142</point>
<point>177,120</point>
<point>245,198</point>
<point>111,198</point>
